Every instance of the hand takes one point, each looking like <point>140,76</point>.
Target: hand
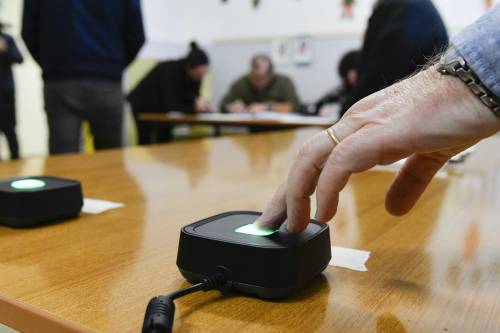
<point>258,107</point>
<point>283,107</point>
<point>203,105</point>
<point>427,118</point>
<point>3,45</point>
<point>237,107</point>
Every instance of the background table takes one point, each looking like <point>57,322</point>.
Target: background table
<point>434,270</point>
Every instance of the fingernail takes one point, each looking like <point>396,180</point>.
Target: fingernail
<point>317,217</point>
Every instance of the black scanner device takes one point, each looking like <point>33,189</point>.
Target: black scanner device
<point>31,201</point>
<point>229,252</point>
<point>265,263</point>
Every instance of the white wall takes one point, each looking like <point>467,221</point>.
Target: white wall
<point>170,24</point>
<point>207,20</point>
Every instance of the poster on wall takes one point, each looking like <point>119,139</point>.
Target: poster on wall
<point>302,51</point>
<point>281,52</point>
<point>347,11</point>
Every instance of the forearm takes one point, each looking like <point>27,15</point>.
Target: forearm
<point>13,55</point>
<point>224,107</point>
<point>331,97</point>
<point>185,107</point>
<point>227,101</point>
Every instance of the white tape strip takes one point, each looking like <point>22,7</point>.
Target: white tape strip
<point>349,258</point>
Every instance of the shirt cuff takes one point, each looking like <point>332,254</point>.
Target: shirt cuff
<point>479,44</point>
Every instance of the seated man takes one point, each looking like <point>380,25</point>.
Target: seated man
<point>261,90</point>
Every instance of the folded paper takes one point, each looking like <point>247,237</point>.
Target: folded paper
<point>349,258</point>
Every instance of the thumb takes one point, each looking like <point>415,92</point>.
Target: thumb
<point>411,182</point>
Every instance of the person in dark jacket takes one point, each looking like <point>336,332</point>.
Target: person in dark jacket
<point>170,86</point>
<point>400,38</point>
<point>348,72</point>
<point>9,54</point>
<point>83,46</point>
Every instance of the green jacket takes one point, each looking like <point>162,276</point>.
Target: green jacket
<point>280,90</point>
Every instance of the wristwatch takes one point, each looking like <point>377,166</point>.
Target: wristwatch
<point>453,63</point>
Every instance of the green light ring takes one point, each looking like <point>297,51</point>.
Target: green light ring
<point>28,184</point>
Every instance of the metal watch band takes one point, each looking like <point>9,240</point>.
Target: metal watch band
<point>457,66</point>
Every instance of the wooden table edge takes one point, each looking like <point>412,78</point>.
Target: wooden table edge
<point>27,318</point>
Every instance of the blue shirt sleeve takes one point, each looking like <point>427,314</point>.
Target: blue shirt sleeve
<point>479,44</point>
<point>13,52</point>
<point>134,34</point>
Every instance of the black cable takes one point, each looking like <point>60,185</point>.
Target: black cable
<point>186,291</point>
<point>159,317</point>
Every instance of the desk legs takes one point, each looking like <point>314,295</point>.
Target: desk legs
<point>217,130</point>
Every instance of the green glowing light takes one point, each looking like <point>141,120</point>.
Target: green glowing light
<point>27,184</point>
<point>252,229</point>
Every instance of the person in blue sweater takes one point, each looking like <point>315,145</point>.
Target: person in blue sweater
<point>83,47</point>
<point>9,55</point>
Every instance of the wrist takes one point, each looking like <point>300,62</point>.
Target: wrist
<point>462,99</point>
<point>453,63</point>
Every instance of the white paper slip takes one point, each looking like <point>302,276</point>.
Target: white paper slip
<point>349,258</point>
<point>95,206</point>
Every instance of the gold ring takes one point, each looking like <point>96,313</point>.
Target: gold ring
<point>332,135</point>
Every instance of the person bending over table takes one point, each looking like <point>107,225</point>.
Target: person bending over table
<point>261,90</point>
<point>170,86</point>
<point>427,118</point>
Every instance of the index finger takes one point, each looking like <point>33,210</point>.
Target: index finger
<point>292,200</point>
<point>315,150</point>
<point>305,172</point>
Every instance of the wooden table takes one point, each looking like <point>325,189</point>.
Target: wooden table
<point>434,270</point>
<point>267,119</point>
